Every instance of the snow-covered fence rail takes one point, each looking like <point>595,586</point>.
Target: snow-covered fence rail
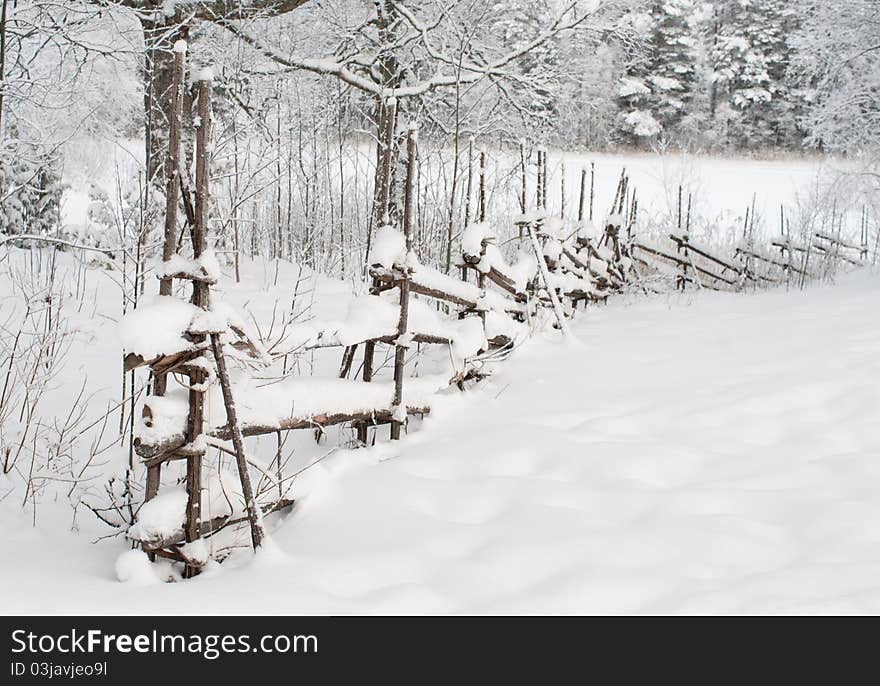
<point>749,265</point>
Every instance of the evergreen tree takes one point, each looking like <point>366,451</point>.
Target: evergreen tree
<point>655,93</point>
<point>540,68</point>
<point>30,191</point>
<point>753,101</point>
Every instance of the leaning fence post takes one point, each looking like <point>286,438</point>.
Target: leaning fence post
<point>255,517</point>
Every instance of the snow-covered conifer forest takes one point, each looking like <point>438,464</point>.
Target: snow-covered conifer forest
<point>439,306</point>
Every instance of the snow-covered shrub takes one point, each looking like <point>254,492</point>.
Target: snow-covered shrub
<point>101,229</point>
<point>44,453</point>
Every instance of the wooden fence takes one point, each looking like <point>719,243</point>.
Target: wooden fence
<point>481,320</point>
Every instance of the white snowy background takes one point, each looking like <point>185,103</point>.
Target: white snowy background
<point>680,452</point>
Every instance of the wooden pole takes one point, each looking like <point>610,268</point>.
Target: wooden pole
<point>195,419</point>
<point>470,182</point>
<point>631,219</point>
<point>522,195</point>
<point>592,187</point>
<point>752,219</point>
<point>469,192</point>
<point>562,192</point>
<point>381,217</point>
<point>582,196</point>
<point>678,221</point>
<point>369,352</point>
<point>618,190</point>
<point>540,180</point>
<point>400,348</point>
<point>482,190</point>
<point>544,182</point>
<point>623,191</point>
<point>172,174</point>
<point>254,514</point>
<point>545,277</point>
<point>687,221</point>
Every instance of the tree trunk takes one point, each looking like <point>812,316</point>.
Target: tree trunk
<point>158,79</point>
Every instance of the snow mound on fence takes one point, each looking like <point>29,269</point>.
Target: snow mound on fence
<point>157,327</point>
<point>388,245</point>
<point>161,517</point>
<point>267,404</point>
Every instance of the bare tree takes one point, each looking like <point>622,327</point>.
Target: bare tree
<point>162,24</point>
<point>401,53</point>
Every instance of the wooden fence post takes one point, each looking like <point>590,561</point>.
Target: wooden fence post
<point>468,192</point>
<point>482,190</point>
<point>197,376</point>
<point>398,405</point>
<point>255,516</point>
<point>381,217</point>
<point>562,192</point>
<point>169,246</point>
<point>540,180</point>
<point>581,197</point>
<point>592,187</point>
<point>544,181</point>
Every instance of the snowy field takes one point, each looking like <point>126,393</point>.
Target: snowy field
<point>722,188</point>
<point>687,454</point>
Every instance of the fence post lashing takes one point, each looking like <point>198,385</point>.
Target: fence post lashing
<point>398,406</point>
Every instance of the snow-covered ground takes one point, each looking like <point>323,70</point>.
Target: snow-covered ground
<point>722,188</point>
<point>689,453</point>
